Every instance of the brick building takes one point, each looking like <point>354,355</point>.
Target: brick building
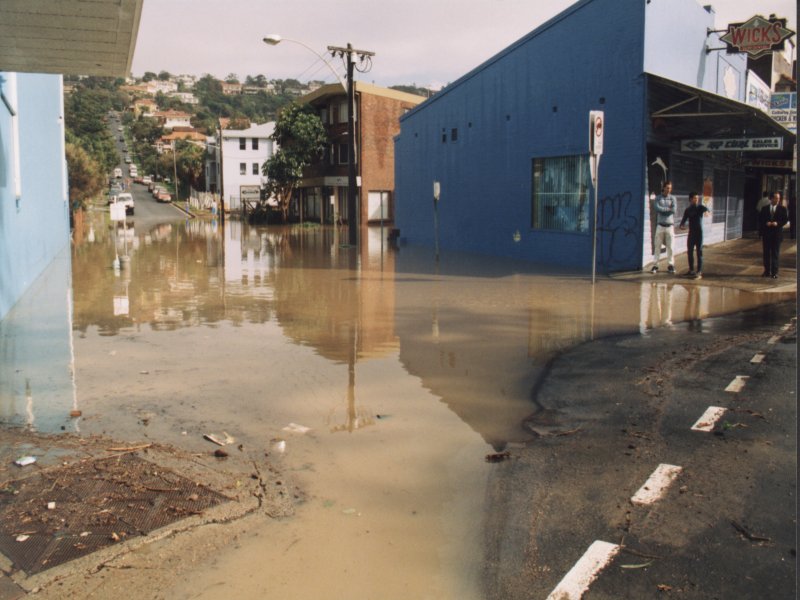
<point>323,191</point>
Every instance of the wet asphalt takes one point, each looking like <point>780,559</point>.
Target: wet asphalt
<point>609,412</point>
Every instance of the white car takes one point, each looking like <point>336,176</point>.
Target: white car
<point>146,180</point>
<point>118,173</point>
<point>126,199</point>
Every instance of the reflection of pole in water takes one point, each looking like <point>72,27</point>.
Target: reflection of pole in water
<point>29,406</point>
<point>591,314</point>
<point>70,310</point>
<point>356,419</point>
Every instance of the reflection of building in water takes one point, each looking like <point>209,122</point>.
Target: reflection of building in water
<point>36,364</point>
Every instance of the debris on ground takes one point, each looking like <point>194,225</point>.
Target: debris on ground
<point>498,457</point>
<point>24,461</point>
<point>295,428</point>
<point>747,534</point>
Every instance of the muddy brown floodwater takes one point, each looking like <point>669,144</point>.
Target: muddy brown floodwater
<point>407,373</point>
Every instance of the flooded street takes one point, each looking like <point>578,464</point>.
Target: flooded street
<point>407,373</point>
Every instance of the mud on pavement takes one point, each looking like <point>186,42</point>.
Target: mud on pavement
<point>86,507</point>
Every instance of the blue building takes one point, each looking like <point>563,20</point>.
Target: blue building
<point>508,141</point>
<point>34,202</point>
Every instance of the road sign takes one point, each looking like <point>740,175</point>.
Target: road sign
<point>596,127</point>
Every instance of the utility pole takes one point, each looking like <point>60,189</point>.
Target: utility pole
<point>353,204</point>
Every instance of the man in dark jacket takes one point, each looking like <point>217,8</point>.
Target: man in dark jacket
<point>771,220</point>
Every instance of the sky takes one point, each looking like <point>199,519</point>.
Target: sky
<point>428,43</point>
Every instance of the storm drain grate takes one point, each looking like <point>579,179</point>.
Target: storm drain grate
<point>96,504</point>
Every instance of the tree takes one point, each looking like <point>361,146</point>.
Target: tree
<point>149,76</point>
<point>301,137</point>
<point>232,78</point>
<point>86,177</point>
<point>164,75</point>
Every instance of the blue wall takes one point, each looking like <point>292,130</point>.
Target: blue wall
<point>35,226</point>
<point>504,113</point>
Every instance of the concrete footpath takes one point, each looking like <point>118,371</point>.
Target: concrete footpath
<point>635,489</point>
<point>736,264</point>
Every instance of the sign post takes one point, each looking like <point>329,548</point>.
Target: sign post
<point>596,128</point>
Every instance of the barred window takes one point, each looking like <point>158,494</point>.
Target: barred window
<point>560,193</point>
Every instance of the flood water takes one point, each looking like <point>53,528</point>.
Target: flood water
<point>406,371</point>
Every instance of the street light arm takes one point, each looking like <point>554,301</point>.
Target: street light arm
<point>275,39</point>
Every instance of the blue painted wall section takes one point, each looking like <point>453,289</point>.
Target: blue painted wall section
<point>34,228</point>
<point>530,101</point>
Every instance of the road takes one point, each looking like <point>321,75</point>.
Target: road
<point>586,491</point>
<point>147,210</point>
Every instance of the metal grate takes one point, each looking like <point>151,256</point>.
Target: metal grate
<point>97,504</point>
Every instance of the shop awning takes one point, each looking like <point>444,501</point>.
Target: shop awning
<point>71,37</point>
<point>678,112</point>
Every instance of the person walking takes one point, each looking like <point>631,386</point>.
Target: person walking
<point>665,206</point>
<point>694,214</point>
<point>771,220</point>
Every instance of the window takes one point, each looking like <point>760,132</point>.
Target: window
<point>255,143</point>
<point>343,153</point>
<point>242,143</point>
<point>454,135</point>
<point>255,168</point>
<point>560,193</point>
<point>242,168</point>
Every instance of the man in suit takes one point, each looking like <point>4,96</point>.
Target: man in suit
<point>771,220</point>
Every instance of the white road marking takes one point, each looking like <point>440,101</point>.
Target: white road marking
<point>656,485</point>
<point>786,327</point>
<point>758,358</point>
<point>737,384</point>
<point>585,571</point>
<point>709,418</point>
<point>774,339</point>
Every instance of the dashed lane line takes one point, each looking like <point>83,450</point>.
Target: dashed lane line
<point>656,485</point>
<point>774,339</point>
<point>709,418</point>
<point>737,384</point>
<point>758,358</point>
<point>575,583</point>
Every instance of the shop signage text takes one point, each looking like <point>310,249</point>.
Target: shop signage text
<point>757,36</point>
<point>769,163</point>
<point>745,144</point>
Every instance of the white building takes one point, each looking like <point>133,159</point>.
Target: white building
<point>185,97</point>
<point>241,154</point>
<point>165,87</point>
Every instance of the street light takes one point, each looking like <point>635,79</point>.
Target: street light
<point>274,39</point>
<point>353,209</point>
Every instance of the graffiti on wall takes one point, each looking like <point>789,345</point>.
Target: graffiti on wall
<point>618,232</point>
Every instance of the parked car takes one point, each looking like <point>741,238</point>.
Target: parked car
<point>133,171</point>
<point>126,199</point>
<point>128,159</point>
<point>163,196</point>
<point>157,189</point>
<point>146,180</point>
<point>119,128</point>
<point>118,173</point>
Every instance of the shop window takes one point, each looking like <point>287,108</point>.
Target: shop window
<point>560,193</point>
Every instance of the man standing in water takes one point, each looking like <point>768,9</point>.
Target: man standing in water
<point>665,206</point>
<point>771,220</point>
<point>694,213</point>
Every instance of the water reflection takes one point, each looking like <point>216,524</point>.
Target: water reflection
<point>476,333</point>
